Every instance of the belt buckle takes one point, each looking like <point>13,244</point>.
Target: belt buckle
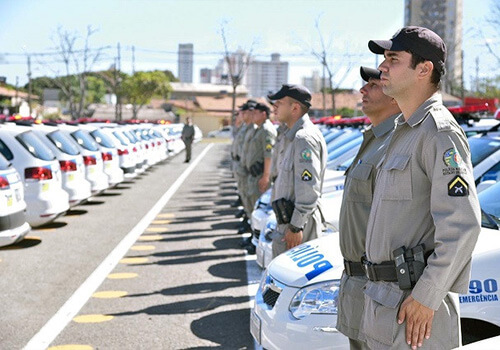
<point>366,266</point>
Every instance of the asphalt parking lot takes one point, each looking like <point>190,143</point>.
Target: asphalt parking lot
<point>152,264</point>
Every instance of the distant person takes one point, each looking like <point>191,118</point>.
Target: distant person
<point>188,137</point>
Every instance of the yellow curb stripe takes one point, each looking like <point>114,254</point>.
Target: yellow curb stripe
<point>133,260</point>
<point>161,222</point>
<point>142,247</point>
<point>109,294</point>
<point>92,318</point>
<point>122,275</point>
<point>71,347</point>
<point>150,238</point>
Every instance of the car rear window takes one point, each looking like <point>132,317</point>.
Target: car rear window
<point>35,146</point>
<point>85,140</point>
<point>103,139</point>
<point>124,141</point>
<point>5,151</point>
<point>63,142</point>
<point>4,163</point>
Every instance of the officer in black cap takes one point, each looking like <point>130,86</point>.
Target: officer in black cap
<point>425,216</point>
<point>297,189</point>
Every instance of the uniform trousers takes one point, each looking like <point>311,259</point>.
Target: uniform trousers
<point>379,322</point>
<point>350,309</point>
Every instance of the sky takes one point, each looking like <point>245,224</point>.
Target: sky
<point>156,27</point>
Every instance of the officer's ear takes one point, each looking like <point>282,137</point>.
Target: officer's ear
<point>425,69</point>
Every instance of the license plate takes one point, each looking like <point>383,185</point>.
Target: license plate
<point>45,187</point>
<point>107,165</point>
<point>9,201</point>
<point>71,177</point>
<point>255,326</point>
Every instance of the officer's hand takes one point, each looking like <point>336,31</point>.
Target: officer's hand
<point>292,239</point>
<point>418,321</point>
<point>263,184</point>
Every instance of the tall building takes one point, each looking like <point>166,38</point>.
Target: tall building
<point>315,83</point>
<point>445,18</point>
<point>264,77</point>
<point>185,63</point>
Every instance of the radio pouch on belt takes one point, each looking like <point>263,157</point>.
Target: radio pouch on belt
<point>283,208</point>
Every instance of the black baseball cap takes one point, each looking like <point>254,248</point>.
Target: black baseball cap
<point>262,107</point>
<point>367,73</point>
<point>249,105</point>
<point>297,92</point>
<point>419,40</point>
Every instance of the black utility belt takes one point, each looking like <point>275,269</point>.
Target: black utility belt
<point>406,268</point>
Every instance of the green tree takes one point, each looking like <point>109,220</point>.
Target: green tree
<point>139,88</point>
<point>489,88</point>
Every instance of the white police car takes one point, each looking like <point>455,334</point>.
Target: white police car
<point>13,224</point>
<point>296,302</point>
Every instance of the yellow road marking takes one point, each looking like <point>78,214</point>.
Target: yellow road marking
<point>122,275</point>
<point>165,215</point>
<point>150,238</point>
<point>71,347</point>
<point>109,294</point>
<point>161,222</point>
<point>156,229</point>
<point>142,247</point>
<point>92,318</point>
<point>133,260</point>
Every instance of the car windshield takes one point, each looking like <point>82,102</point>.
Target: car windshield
<point>4,163</point>
<point>5,151</point>
<point>343,139</point>
<point>63,142</point>
<point>481,148</point>
<point>490,205</point>
<point>339,151</point>
<point>85,140</point>
<point>131,136</point>
<point>103,139</point>
<point>35,146</point>
<point>124,140</point>
<point>333,134</point>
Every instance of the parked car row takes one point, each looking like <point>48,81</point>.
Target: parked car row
<point>296,302</point>
<point>47,168</point>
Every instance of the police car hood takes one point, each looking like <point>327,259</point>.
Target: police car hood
<point>312,262</point>
<point>488,240</point>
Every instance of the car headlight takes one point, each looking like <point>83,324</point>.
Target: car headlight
<point>320,298</point>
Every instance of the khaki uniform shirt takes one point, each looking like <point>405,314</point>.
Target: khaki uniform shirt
<point>354,213</point>
<point>234,148</point>
<point>358,189</point>
<point>261,144</point>
<point>425,193</point>
<point>243,152</point>
<point>301,169</point>
<point>277,150</point>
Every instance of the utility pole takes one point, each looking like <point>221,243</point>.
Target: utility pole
<point>16,109</point>
<point>133,59</point>
<point>29,84</point>
<point>118,97</point>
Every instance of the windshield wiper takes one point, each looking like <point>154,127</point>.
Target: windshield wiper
<point>492,221</point>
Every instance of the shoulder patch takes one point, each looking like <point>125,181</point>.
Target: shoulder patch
<point>306,175</point>
<point>269,147</point>
<point>452,158</point>
<point>458,187</point>
<point>306,154</point>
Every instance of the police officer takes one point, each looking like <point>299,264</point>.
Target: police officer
<point>188,137</point>
<point>242,170</point>
<point>382,111</point>
<point>300,171</point>
<point>258,158</point>
<point>425,216</point>
<point>238,123</point>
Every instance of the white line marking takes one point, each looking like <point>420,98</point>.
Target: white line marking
<point>73,305</point>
